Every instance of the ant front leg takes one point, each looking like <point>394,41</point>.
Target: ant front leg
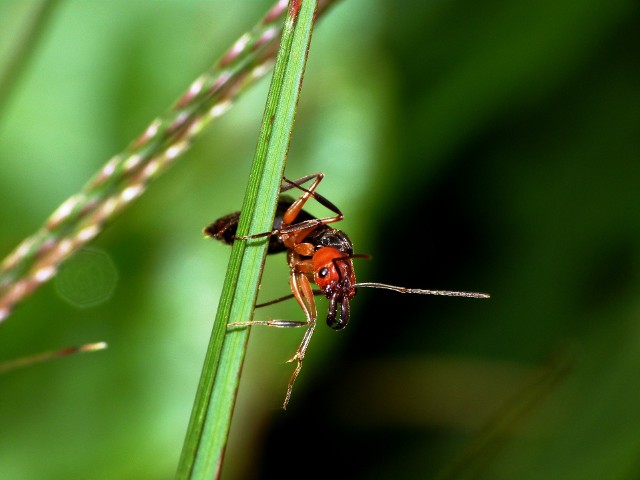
<point>297,232</point>
<point>293,233</point>
<point>296,207</point>
<point>304,294</point>
<point>302,291</point>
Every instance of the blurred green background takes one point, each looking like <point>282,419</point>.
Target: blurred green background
<point>480,146</point>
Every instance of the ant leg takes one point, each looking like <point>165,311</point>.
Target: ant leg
<point>269,323</point>
<point>294,210</point>
<point>298,356</point>
<point>283,298</point>
<point>311,190</point>
<point>296,207</point>
<point>299,231</point>
<point>289,184</point>
<point>303,292</point>
<point>295,233</point>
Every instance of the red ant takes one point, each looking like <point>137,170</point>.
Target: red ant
<point>316,253</point>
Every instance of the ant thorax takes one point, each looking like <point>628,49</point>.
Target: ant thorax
<point>325,236</point>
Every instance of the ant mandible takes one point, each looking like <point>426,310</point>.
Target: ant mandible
<point>316,253</point>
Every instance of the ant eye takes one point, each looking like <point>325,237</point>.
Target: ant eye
<point>324,271</point>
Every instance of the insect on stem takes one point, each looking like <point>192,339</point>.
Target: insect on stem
<point>317,254</point>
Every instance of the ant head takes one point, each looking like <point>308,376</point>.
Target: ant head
<point>333,273</point>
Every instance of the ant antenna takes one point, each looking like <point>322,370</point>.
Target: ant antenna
<point>446,293</point>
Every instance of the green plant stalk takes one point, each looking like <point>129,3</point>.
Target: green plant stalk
<point>126,176</point>
<point>489,440</point>
<point>10,365</point>
<point>208,430</point>
<point>23,49</point>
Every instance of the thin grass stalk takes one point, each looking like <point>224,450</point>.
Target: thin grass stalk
<point>14,364</point>
<point>127,175</point>
<point>24,47</point>
<point>208,430</point>
<point>486,444</point>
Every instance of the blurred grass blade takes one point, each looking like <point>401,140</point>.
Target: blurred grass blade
<point>127,175</point>
<point>10,365</point>
<point>23,48</point>
<point>490,440</point>
<point>206,437</point>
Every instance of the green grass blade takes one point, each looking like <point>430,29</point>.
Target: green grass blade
<point>24,47</point>
<point>211,416</point>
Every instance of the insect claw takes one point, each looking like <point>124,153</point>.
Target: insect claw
<point>258,235</point>
<point>296,357</point>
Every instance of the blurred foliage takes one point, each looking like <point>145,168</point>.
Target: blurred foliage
<point>471,146</point>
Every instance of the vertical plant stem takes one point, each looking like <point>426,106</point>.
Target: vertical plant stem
<point>208,430</point>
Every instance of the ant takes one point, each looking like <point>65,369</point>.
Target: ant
<point>316,253</point>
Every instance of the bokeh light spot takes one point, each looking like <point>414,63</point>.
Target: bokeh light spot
<point>87,279</point>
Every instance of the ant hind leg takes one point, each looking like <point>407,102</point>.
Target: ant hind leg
<point>270,323</point>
